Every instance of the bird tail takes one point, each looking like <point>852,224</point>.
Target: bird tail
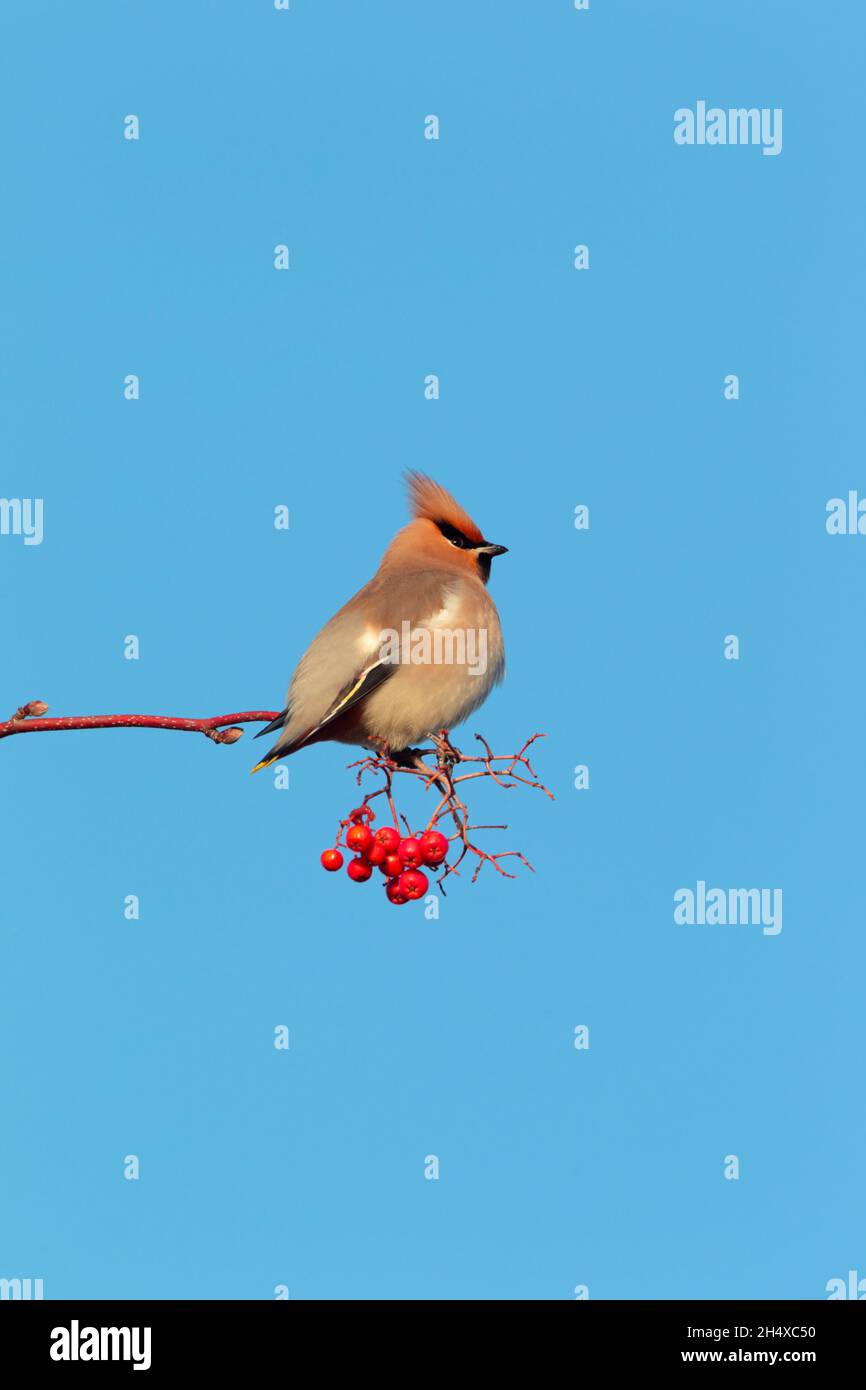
<point>274,724</point>
<point>275,753</point>
<point>280,750</point>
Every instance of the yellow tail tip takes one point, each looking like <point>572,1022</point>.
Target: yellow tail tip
<point>265,762</point>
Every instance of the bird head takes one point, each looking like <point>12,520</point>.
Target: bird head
<point>441,533</point>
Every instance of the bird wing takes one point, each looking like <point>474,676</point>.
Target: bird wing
<point>349,645</point>
<point>352,694</point>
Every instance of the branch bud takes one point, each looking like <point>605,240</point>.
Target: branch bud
<point>34,709</point>
<point>227,735</point>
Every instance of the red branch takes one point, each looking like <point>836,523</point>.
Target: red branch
<point>507,770</point>
<point>27,719</point>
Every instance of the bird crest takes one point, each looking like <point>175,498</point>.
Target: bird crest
<point>428,499</point>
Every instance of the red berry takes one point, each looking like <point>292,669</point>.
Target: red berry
<point>388,838</point>
<point>411,851</point>
<point>359,813</point>
<point>332,860</point>
<point>413,884</point>
<point>360,838</point>
<point>376,855</point>
<point>392,867</point>
<point>435,847</point>
<point>394,892</point>
<point>359,870</point>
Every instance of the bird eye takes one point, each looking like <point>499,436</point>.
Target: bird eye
<point>451,534</point>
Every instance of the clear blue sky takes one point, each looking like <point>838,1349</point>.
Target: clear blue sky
<point>409,1037</point>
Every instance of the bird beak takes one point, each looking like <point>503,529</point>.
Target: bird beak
<point>492,549</point>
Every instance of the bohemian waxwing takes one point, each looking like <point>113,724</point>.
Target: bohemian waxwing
<point>414,652</point>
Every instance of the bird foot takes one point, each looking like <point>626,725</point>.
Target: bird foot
<point>447,754</point>
<point>407,757</point>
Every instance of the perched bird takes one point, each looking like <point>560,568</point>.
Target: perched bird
<point>386,670</point>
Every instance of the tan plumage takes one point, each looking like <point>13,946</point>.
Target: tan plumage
<point>432,576</point>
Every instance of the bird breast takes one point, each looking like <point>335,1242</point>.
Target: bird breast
<point>446,664</point>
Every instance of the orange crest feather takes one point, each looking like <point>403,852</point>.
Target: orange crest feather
<point>429,500</point>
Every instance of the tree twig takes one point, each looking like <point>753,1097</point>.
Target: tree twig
<point>28,719</point>
<point>507,770</point>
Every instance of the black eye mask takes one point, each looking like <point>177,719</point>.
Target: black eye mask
<point>456,537</point>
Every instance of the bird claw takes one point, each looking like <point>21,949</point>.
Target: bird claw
<point>447,754</point>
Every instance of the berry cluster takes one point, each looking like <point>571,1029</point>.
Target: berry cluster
<point>399,858</point>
